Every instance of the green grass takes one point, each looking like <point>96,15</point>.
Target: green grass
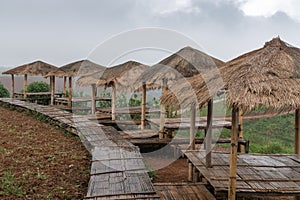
<point>269,135</point>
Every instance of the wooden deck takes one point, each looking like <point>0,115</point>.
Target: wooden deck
<point>172,124</point>
<point>117,171</point>
<point>256,174</point>
<point>186,191</point>
<point>130,110</point>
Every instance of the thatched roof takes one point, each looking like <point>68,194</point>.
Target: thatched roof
<point>123,75</point>
<point>37,68</point>
<point>265,77</point>
<point>187,62</point>
<point>78,68</point>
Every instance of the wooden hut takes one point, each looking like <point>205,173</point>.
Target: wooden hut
<point>268,76</point>
<point>187,62</point>
<point>37,68</point>
<point>78,68</point>
<point>123,77</point>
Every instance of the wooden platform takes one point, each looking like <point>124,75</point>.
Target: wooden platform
<point>117,171</point>
<point>172,124</point>
<point>146,133</point>
<point>130,110</point>
<point>64,100</point>
<point>187,191</point>
<point>256,174</point>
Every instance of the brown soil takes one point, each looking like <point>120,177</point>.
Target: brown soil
<point>39,161</point>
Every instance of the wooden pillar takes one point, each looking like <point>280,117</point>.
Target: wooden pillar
<point>143,116</point>
<point>240,126</point>
<point>193,126</point>
<point>162,111</point>
<point>12,86</point>
<point>70,93</point>
<point>65,86</point>
<point>94,91</point>
<point>25,86</point>
<point>190,171</point>
<point>52,89</point>
<point>209,132</point>
<point>233,155</point>
<point>113,101</point>
<point>297,131</point>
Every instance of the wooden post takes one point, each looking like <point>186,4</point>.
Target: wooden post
<point>193,126</point>
<point>12,86</point>
<point>113,101</point>
<point>52,89</point>
<point>240,126</point>
<point>94,89</point>
<point>233,155</point>
<point>70,93</point>
<point>25,86</point>
<point>190,172</point>
<point>209,132</point>
<point>162,111</point>
<point>143,116</point>
<point>65,86</point>
<point>297,131</point>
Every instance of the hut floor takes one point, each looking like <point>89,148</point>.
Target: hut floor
<point>256,174</point>
<point>146,133</point>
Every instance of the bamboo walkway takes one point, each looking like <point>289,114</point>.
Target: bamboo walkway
<point>117,171</point>
<point>257,175</point>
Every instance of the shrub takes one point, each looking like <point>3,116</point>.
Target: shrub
<point>38,86</point>
<point>3,91</point>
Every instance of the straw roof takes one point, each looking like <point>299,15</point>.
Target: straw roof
<point>123,75</point>
<point>82,67</point>
<point>37,68</point>
<point>187,62</point>
<point>268,76</point>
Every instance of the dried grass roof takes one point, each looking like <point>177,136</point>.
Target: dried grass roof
<point>78,68</point>
<point>37,68</point>
<point>187,62</point>
<point>124,75</point>
<point>268,76</point>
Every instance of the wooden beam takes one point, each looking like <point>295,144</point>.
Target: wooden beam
<point>209,132</point>
<point>12,86</point>
<point>94,91</point>
<point>143,115</point>
<point>193,126</point>
<point>113,101</point>
<point>297,131</point>
<point>65,86</point>
<point>25,86</point>
<point>70,93</point>
<point>162,111</point>
<point>233,155</point>
<point>52,89</point>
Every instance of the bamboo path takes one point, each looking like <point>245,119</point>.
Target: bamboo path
<point>256,174</point>
<point>117,171</point>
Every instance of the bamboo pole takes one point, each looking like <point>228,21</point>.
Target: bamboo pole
<point>65,86</point>
<point>162,111</point>
<point>193,126</point>
<point>52,89</point>
<point>209,132</point>
<point>25,86</point>
<point>70,93</point>
<point>297,131</point>
<point>12,86</point>
<point>94,91</point>
<point>143,116</point>
<point>113,102</point>
<point>233,155</point>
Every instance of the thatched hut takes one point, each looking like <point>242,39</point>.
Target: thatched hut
<point>268,76</point>
<point>122,76</point>
<point>187,62</point>
<point>78,68</point>
<point>37,68</point>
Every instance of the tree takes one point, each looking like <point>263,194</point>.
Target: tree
<point>3,91</point>
<point>38,86</point>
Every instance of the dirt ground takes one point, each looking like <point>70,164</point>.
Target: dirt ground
<point>39,161</point>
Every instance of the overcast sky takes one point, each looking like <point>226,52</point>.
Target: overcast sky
<point>60,32</point>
